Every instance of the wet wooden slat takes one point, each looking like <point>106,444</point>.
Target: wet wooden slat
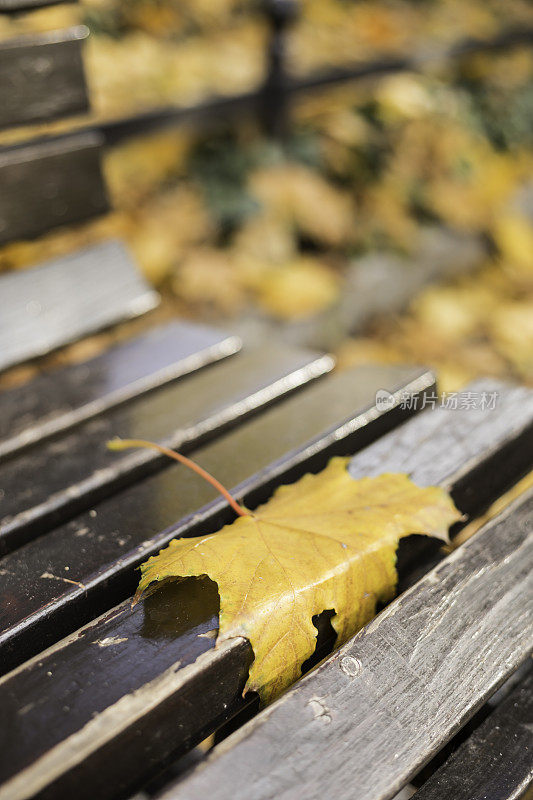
<point>192,687</point>
<point>42,77</point>
<point>62,398</point>
<point>395,694</point>
<point>52,481</point>
<point>98,552</point>
<point>67,298</point>
<point>467,431</point>
<point>329,417</point>
<point>123,655</point>
<point>50,182</point>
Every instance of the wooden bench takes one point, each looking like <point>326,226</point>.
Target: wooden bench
<point>100,700</point>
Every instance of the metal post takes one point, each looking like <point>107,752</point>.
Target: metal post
<point>274,102</point>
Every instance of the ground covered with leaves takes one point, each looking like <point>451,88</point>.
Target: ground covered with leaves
<point>230,224</point>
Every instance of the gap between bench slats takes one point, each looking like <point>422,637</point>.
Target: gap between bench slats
<point>61,398</point>
<point>55,584</point>
<point>174,705</point>
<point>55,480</point>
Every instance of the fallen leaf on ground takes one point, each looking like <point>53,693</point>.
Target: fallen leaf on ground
<point>325,542</point>
<point>297,289</point>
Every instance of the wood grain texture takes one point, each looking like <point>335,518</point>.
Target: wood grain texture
<point>136,735</point>
<point>376,711</point>
<point>59,399</point>
<point>496,760</point>
<point>52,481</point>
<point>98,552</point>
<point>67,298</point>
<point>42,77</point>
<point>153,668</point>
<point>50,182</point>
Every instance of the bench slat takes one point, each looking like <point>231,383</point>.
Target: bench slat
<point>395,694</point>
<point>50,182</point>
<point>61,398</point>
<point>102,547</point>
<point>16,6</point>
<point>56,479</point>
<point>67,298</point>
<point>466,432</point>
<point>42,77</point>
<point>298,423</point>
<point>190,691</point>
<point>495,761</point>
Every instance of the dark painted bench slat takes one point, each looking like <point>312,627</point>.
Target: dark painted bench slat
<point>98,552</point>
<point>15,6</point>
<point>393,696</point>
<point>168,708</point>
<point>50,182</point>
<point>42,77</point>
<point>317,422</point>
<point>64,397</point>
<point>496,759</point>
<point>67,298</point>
<point>51,481</point>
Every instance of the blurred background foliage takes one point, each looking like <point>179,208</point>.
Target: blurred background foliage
<point>229,224</point>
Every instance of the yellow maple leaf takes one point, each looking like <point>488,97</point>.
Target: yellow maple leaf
<point>325,542</point>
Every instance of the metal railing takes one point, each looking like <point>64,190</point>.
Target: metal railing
<point>271,102</point>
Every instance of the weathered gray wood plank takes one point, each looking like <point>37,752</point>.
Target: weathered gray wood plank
<point>134,651</point>
<point>62,398</point>
<point>65,299</point>
<point>192,687</point>
<point>496,760</point>
<point>42,77</point>
<point>50,182</point>
<point>379,708</point>
<point>466,431</point>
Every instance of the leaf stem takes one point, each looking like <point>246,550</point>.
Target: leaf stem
<point>124,444</point>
